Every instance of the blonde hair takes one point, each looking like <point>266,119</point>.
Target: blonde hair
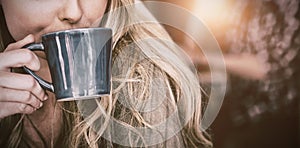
<point>145,67</point>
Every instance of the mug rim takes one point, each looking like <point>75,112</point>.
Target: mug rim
<point>75,30</point>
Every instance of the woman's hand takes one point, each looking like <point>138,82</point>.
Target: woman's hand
<point>19,93</point>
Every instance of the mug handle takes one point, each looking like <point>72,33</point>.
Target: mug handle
<point>38,47</point>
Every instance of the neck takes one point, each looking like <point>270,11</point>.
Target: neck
<point>43,127</point>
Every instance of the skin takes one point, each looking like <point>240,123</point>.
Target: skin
<point>27,21</point>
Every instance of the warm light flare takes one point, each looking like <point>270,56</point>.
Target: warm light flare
<point>215,13</point>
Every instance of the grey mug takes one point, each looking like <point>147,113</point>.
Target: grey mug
<point>79,62</point>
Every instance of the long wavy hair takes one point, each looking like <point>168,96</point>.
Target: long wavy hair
<point>150,83</point>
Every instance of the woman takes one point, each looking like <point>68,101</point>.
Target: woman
<point>30,117</point>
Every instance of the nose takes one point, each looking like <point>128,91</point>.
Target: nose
<point>70,12</point>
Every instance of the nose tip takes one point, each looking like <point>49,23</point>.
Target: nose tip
<point>70,12</point>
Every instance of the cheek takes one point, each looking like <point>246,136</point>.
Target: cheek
<point>14,20</point>
<point>20,23</point>
<point>94,11</point>
<point>19,27</point>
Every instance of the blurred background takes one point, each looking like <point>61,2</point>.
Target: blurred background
<point>260,41</point>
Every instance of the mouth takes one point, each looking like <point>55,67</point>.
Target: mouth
<point>59,27</point>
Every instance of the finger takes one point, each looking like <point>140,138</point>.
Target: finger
<point>22,82</point>
<point>25,97</point>
<point>19,58</point>
<point>19,44</point>
<point>11,108</point>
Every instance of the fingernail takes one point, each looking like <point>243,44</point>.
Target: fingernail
<point>27,35</point>
<point>41,104</point>
<point>46,97</point>
<point>30,37</point>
